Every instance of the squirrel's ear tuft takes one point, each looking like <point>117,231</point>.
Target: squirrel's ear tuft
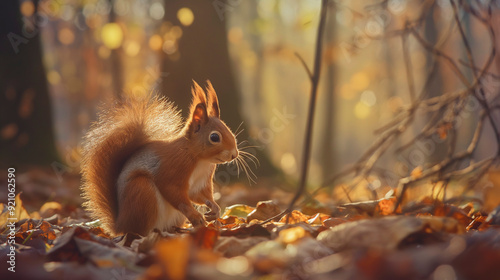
<point>213,102</point>
<point>198,111</point>
<point>198,95</point>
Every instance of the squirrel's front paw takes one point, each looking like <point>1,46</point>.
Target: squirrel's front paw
<point>214,212</point>
<point>198,221</point>
<point>210,216</point>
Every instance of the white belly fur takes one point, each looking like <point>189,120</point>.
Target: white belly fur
<point>168,216</point>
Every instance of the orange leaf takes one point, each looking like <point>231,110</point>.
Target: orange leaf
<point>386,206</point>
<point>205,237</point>
<point>416,173</point>
<point>294,217</point>
<point>173,255</point>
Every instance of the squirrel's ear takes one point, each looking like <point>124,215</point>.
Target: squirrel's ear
<point>213,102</point>
<point>199,117</point>
<point>198,111</point>
<point>198,95</point>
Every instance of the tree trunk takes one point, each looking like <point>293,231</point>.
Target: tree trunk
<point>328,152</point>
<point>26,128</point>
<point>203,54</point>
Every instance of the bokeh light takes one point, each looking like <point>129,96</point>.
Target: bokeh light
<point>103,52</point>
<point>185,16</point>
<point>155,42</point>
<point>156,11</point>
<point>53,77</point>
<point>169,46</point>
<point>112,35</point>
<point>360,81</point>
<point>288,163</point>
<point>132,48</point>
<point>368,98</point>
<point>361,110</point>
<point>66,36</point>
<point>27,8</point>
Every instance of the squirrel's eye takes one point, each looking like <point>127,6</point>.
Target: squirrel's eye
<point>214,137</point>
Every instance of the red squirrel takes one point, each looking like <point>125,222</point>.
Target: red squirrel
<point>142,168</point>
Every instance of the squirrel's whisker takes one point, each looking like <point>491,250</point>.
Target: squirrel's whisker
<point>248,147</point>
<point>236,135</point>
<point>237,167</point>
<point>250,157</point>
<point>242,142</point>
<point>249,171</point>
<point>246,169</point>
<point>239,126</point>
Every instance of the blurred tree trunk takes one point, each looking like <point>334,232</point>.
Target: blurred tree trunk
<point>328,153</point>
<point>203,54</point>
<point>115,60</point>
<point>26,128</point>
<point>435,87</point>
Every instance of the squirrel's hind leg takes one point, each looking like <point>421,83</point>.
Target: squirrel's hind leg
<point>137,209</point>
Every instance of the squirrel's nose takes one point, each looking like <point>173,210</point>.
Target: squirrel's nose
<point>234,154</point>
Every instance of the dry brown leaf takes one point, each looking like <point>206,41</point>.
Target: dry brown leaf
<point>231,246</point>
<point>50,208</point>
<point>263,211</point>
<point>383,233</point>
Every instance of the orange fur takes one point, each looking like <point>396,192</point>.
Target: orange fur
<point>139,135</point>
<point>134,214</point>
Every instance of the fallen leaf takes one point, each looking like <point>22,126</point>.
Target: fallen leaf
<point>383,233</point>
<point>294,217</point>
<point>50,208</point>
<point>292,235</point>
<point>263,211</point>
<point>231,246</point>
<point>416,173</point>
<point>238,210</point>
<point>173,255</point>
<point>205,237</point>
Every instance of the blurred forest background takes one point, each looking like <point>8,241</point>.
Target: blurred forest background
<point>61,59</point>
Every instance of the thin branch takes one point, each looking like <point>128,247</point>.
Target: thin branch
<point>309,74</point>
<point>312,105</point>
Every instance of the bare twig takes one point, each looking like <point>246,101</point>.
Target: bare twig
<point>314,77</point>
<point>444,109</point>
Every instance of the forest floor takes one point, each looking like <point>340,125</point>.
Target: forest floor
<point>426,238</point>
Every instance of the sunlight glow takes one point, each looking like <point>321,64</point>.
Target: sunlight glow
<point>361,110</point>
<point>132,48</point>
<point>368,98</point>
<point>112,35</point>
<point>169,46</point>
<point>53,77</point>
<point>155,42</point>
<point>27,8</point>
<point>185,16</point>
<point>66,36</point>
<point>156,11</point>
<point>360,81</point>
<point>288,163</point>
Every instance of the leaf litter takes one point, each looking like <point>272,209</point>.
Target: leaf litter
<point>427,238</point>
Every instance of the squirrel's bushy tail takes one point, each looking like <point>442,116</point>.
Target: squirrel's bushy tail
<point>119,132</point>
